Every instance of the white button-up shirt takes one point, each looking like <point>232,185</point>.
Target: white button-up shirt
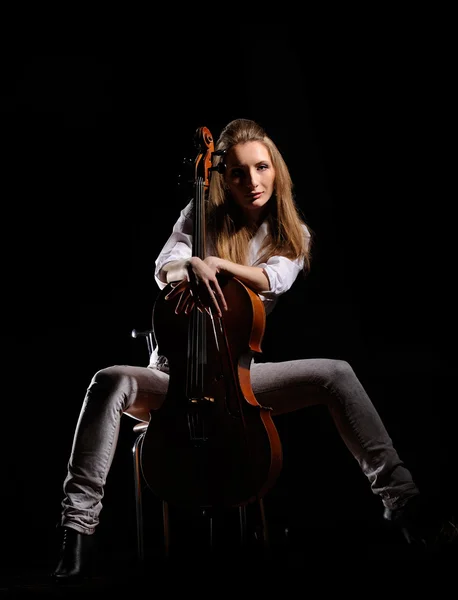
<point>280,271</point>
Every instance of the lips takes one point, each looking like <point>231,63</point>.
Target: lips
<point>255,196</point>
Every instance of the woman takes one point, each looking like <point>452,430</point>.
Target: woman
<point>255,233</point>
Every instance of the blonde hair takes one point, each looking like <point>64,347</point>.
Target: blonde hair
<point>225,223</point>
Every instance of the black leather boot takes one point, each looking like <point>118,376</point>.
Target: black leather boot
<point>423,526</point>
<point>74,560</point>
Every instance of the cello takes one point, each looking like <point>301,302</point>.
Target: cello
<point>210,443</point>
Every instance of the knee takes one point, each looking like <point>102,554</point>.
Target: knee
<point>339,371</point>
<point>112,384</point>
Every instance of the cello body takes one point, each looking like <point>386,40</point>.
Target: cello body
<point>210,443</point>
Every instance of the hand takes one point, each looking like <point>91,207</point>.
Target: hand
<point>201,289</point>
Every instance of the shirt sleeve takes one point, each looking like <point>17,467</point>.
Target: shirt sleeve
<point>178,246</point>
<point>282,272</point>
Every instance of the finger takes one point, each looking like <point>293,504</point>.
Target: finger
<point>176,289</point>
<point>189,305</point>
<point>182,300</point>
<point>220,295</point>
<point>215,302</point>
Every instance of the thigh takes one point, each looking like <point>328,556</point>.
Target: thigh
<point>290,385</point>
<point>151,389</point>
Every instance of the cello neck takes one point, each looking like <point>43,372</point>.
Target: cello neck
<point>199,234</point>
<point>203,166</point>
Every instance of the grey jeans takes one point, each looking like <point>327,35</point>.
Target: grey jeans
<point>284,386</point>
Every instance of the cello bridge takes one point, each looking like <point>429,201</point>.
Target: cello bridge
<point>202,399</point>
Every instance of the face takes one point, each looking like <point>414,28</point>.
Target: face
<point>250,177</point>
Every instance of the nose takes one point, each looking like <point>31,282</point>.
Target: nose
<point>252,183</point>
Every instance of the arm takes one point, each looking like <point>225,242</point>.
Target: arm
<point>176,270</point>
<point>205,272</point>
<point>253,277</point>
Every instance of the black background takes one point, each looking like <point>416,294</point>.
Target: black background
<point>92,149</point>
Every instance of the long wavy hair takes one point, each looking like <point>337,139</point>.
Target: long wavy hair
<point>226,225</point>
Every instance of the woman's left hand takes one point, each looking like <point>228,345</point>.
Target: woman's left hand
<point>200,289</point>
